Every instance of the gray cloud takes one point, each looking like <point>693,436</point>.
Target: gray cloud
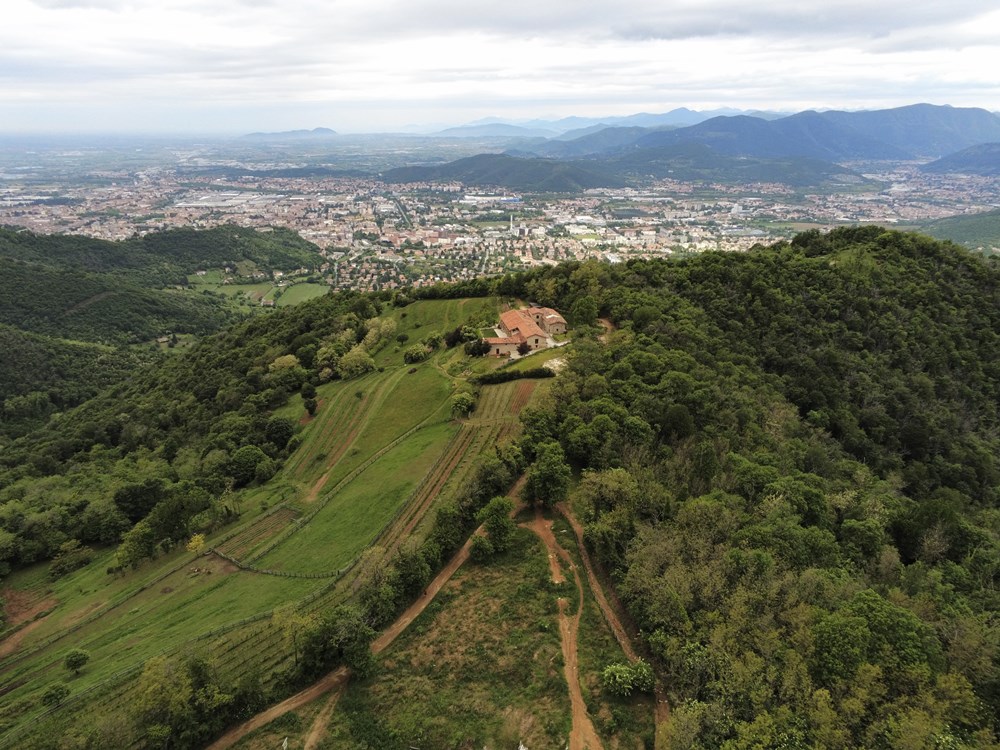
<point>672,19</point>
<point>556,57</point>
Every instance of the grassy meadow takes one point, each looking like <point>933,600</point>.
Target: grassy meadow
<point>482,666</point>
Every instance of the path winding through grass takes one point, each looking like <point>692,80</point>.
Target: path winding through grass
<point>582,735</point>
<point>337,679</point>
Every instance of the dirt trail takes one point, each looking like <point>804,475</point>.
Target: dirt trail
<point>610,613</point>
<point>337,680</point>
<point>318,728</point>
<point>13,641</point>
<point>582,736</point>
<point>413,611</point>
<point>22,607</point>
<point>608,327</point>
<point>381,643</point>
<point>662,710</point>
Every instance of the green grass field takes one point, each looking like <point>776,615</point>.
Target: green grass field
<point>412,399</point>
<point>441,315</point>
<point>353,516</point>
<point>203,594</point>
<point>297,293</point>
<point>539,359</point>
<point>339,408</point>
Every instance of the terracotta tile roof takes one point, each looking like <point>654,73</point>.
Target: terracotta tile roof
<point>520,321</point>
<point>504,340</point>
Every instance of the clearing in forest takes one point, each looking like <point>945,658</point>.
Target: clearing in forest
<point>485,664</point>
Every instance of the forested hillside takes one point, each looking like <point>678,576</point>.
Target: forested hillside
<point>786,461</point>
<point>99,307</point>
<point>790,469</point>
<point>173,437</point>
<point>40,374</point>
<point>161,258</point>
<point>60,295</point>
<point>979,231</point>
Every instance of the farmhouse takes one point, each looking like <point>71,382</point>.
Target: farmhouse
<point>534,327</point>
<point>548,319</point>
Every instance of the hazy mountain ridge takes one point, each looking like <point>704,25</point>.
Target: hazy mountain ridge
<point>678,117</point>
<point>500,130</point>
<point>514,173</point>
<point>982,159</point>
<point>925,130</point>
<point>681,161</point>
<point>919,130</point>
<point>807,134</point>
<point>294,135</point>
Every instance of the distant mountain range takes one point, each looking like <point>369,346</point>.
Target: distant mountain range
<point>686,162</point>
<point>913,132</point>
<point>983,159</point>
<point>568,127</point>
<point>801,150</point>
<point>496,129</point>
<point>292,135</point>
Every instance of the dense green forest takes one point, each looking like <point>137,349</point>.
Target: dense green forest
<point>162,258</point>
<point>786,461</point>
<point>99,307</point>
<point>41,374</point>
<point>790,468</point>
<point>61,294</point>
<point>126,292</point>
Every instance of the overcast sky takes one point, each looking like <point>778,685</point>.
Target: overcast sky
<point>235,66</point>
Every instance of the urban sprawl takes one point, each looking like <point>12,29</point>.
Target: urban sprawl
<point>376,236</point>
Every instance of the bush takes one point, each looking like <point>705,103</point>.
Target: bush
<point>71,556</point>
<point>243,465</point>
<point>416,353</point>
<point>625,679</point>
<point>481,549</point>
<point>505,376</point>
<point>55,694</point>
<point>462,404</point>
<point>478,348</point>
<point>76,659</point>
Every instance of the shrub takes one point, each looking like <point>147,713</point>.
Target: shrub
<point>416,353</point>
<point>76,659</point>
<point>481,549</point>
<point>55,694</point>
<point>505,376</point>
<point>625,679</point>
